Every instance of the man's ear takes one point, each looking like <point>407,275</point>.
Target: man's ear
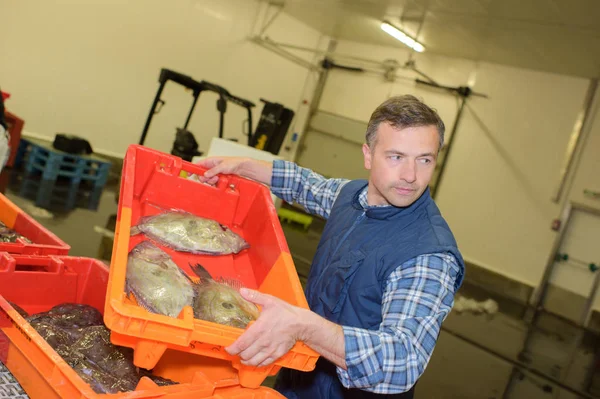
<point>367,155</point>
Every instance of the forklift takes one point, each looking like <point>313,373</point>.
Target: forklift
<point>270,132</point>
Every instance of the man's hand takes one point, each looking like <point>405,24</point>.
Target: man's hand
<point>260,171</point>
<point>275,332</point>
<point>220,165</point>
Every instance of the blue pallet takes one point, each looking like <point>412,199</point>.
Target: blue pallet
<point>21,152</point>
<point>53,164</point>
<point>64,197</point>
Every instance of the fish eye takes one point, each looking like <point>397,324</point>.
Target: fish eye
<point>227,305</point>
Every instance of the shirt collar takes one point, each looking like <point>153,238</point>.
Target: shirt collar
<point>364,202</point>
<point>387,211</point>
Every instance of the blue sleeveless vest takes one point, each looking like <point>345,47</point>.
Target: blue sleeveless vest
<point>358,250</point>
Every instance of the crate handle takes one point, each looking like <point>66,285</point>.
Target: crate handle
<point>38,264</point>
<point>175,165</point>
<point>196,169</point>
<point>7,263</point>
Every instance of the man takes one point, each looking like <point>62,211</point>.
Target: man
<point>385,272</point>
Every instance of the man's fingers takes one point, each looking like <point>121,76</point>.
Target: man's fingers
<point>212,180</point>
<point>254,350</point>
<point>238,346</point>
<point>268,361</point>
<point>259,358</point>
<point>255,296</point>
<point>271,357</point>
<point>206,180</point>
<point>213,164</point>
<point>252,334</point>
<point>210,162</point>
<point>214,171</point>
<point>260,351</point>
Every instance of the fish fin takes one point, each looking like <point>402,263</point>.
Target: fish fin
<point>193,279</point>
<point>145,306</point>
<point>174,210</point>
<point>201,272</point>
<point>140,302</point>
<point>130,292</point>
<point>231,282</point>
<point>134,231</point>
<point>160,208</point>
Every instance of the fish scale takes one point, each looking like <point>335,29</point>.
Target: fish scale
<point>149,269</point>
<point>186,232</point>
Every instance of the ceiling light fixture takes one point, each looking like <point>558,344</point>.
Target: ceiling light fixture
<point>403,37</point>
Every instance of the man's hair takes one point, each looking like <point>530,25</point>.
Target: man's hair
<point>402,112</point>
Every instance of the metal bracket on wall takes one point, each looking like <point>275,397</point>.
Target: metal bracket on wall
<point>387,68</point>
<point>278,9</point>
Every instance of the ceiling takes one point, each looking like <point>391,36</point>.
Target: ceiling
<point>560,36</point>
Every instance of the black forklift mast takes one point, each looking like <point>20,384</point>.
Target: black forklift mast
<point>197,88</point>
<point>272,127</point>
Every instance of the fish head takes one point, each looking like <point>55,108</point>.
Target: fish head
<point>223,304</point>
<point>149,252</point>
<point>156,282</point>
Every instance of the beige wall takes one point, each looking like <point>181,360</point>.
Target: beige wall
<point>91,67</point>
<point>505,166</point>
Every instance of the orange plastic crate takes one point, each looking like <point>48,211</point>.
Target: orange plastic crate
<point>44,241</point>
<point>37,284</point>
<point>152,179</point>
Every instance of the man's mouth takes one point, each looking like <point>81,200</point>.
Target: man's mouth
<point>404,190</point>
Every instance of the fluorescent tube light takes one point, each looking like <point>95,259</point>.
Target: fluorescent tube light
<point>403,37</point>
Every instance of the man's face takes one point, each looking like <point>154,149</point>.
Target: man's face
<point>401,164</point>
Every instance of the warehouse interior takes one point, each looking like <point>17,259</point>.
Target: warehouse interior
<point>516,84</point>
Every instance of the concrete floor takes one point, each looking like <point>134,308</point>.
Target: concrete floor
<point>477,356</point>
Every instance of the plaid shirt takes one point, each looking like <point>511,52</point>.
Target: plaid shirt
<point>418,296</point>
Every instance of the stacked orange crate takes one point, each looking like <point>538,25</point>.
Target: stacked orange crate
<point>43,242</point>
<point>37,276</point>
<point>37,283</point>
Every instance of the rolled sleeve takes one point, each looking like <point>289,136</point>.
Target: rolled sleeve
<point>310,190</point>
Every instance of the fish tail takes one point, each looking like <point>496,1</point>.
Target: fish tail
<point>192,279</point>
<point>134,231</point>
<point>201,272</point>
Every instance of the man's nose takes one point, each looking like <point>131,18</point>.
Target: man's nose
<point>408,172</point>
